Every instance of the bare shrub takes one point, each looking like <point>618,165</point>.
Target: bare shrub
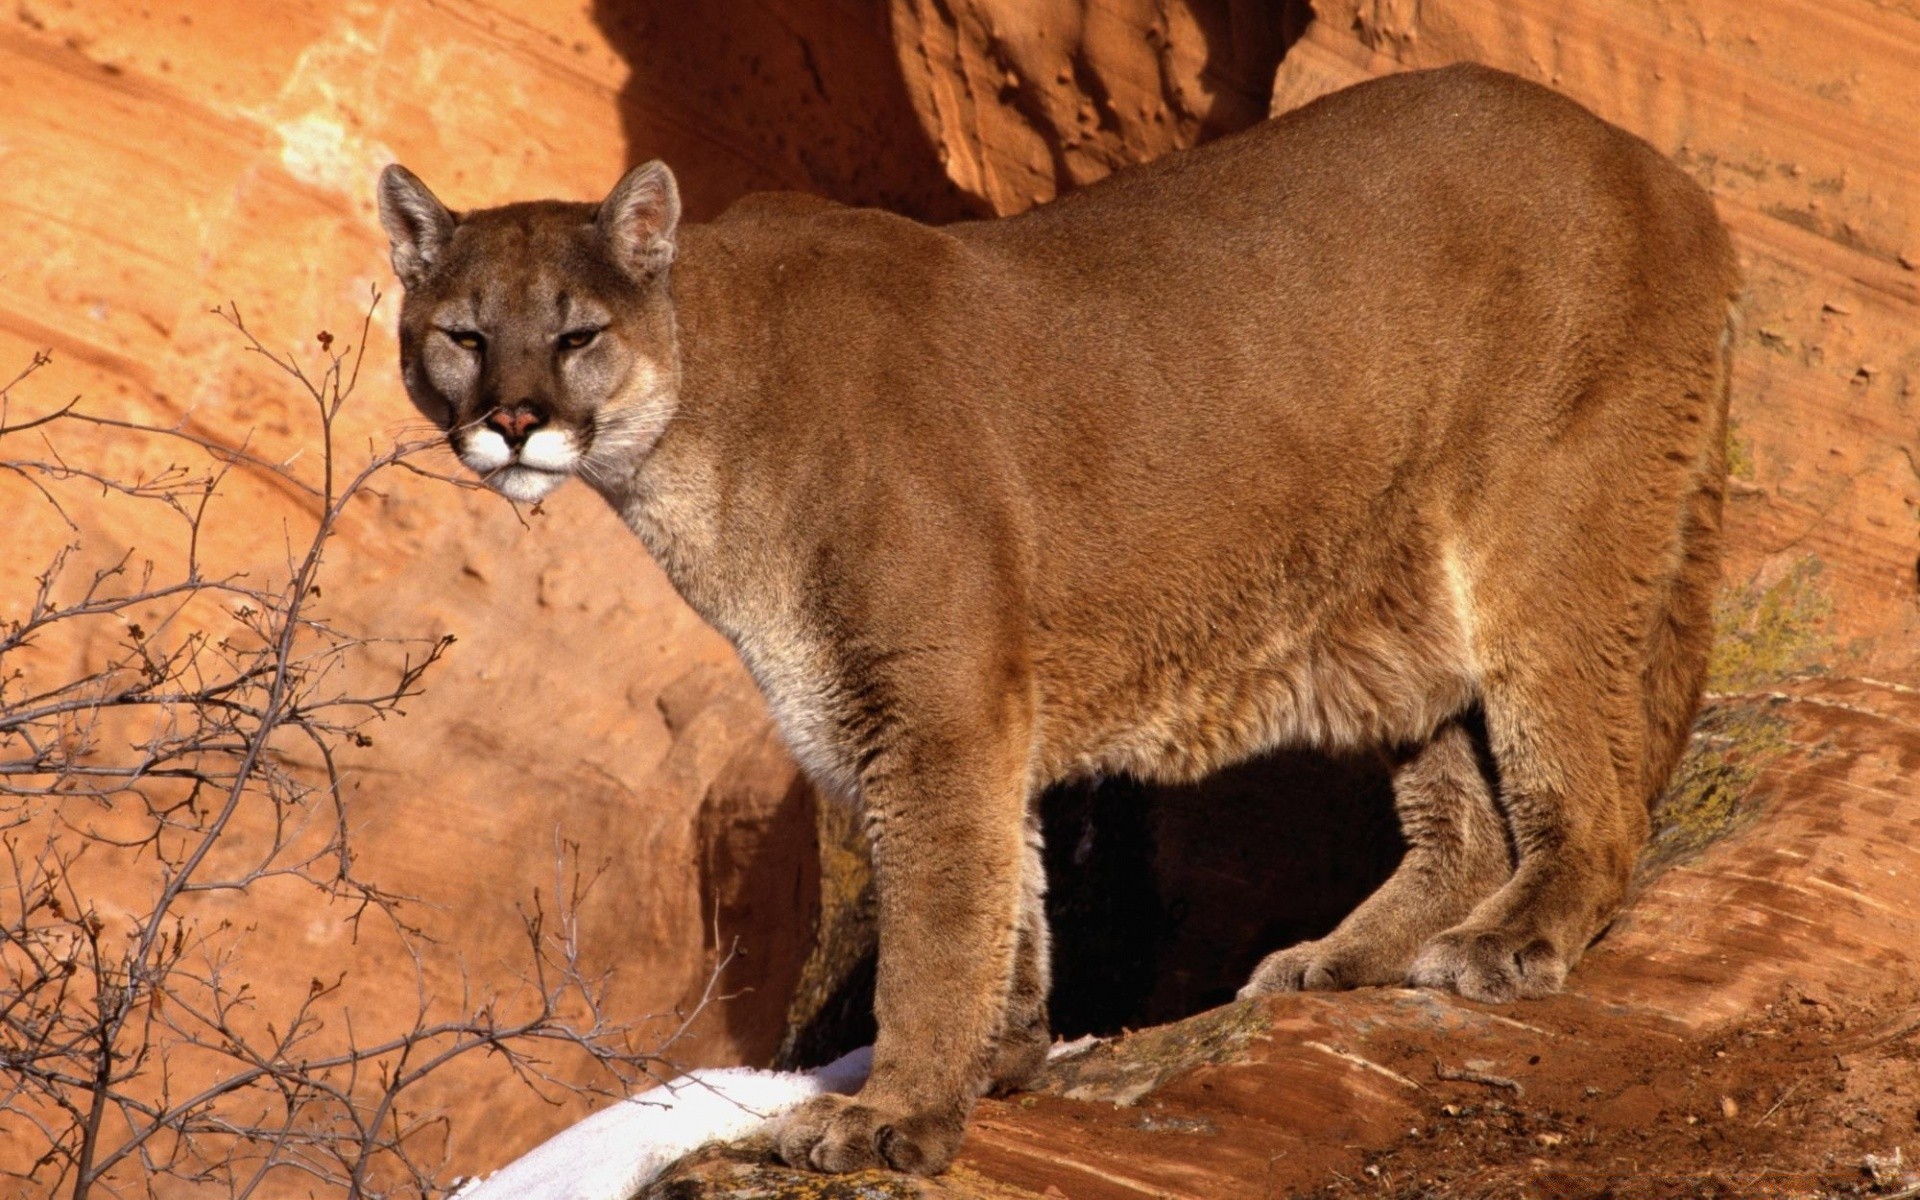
<point>137,1055</point>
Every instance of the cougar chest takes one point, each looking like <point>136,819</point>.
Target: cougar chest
<point>800,675</point>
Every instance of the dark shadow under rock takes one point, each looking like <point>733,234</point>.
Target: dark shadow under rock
<point>740,98</point>
<point>1161,898</point>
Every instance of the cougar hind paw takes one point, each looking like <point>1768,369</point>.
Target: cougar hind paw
<point>1327,965</point>
<point>1491,965</point>
<point>1019,1058</point>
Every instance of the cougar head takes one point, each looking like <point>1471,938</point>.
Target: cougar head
<point>539,336</point>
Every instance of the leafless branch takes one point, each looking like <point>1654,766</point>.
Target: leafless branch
<point>134,1052</point>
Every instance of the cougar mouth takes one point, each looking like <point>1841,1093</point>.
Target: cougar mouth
<point>526,471</point>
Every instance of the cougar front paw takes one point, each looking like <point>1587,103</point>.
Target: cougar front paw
<point>841,1133</point>
<point>1493,965</point>
<point>1321,966</point>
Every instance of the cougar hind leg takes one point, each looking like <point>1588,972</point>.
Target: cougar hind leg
<point>1567,727</point>
<point>1589,694</point>
<point>1025,1035</point>
<point>1457,855</point>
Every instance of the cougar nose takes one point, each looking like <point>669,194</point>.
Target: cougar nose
<point>516,422</point>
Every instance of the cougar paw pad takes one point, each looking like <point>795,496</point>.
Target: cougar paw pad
<point>829,1133</point>
<point>921,1144</point>
<point>1295,969</point>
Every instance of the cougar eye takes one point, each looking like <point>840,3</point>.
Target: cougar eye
<point>573,339</point>
<point>466,339</point>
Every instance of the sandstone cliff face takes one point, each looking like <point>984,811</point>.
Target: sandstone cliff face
<point>162,158</point>
<point>1026,100</point>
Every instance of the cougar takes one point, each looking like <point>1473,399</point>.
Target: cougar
<point>1395,422</point>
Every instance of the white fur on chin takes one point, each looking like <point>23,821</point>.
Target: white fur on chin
<point>525,484</point>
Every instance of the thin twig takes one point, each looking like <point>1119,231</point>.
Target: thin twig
<point>1784,1097</point>
<point>1465,1075</point>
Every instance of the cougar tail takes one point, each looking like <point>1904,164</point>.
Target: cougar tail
<point>1675,670</point>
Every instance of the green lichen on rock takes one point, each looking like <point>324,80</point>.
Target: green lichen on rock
<point>1740,464</point>
<point>1129,1068</point>
<point>1712,791</point>
<point>1765,634</point>
<point>742,1171</point>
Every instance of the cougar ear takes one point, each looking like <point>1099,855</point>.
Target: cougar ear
<point>638,218</point>
<point>417,224</point>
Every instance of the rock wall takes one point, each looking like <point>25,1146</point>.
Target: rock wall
<point>1025,100</point>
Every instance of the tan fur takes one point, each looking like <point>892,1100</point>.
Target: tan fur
<point>1396,423</point>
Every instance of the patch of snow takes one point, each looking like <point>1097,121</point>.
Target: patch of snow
<point>1072,1049</point>
<point>616,1151</point>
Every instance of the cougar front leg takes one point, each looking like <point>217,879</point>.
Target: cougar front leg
<point>946,815</point>
<point>1456,856</point>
